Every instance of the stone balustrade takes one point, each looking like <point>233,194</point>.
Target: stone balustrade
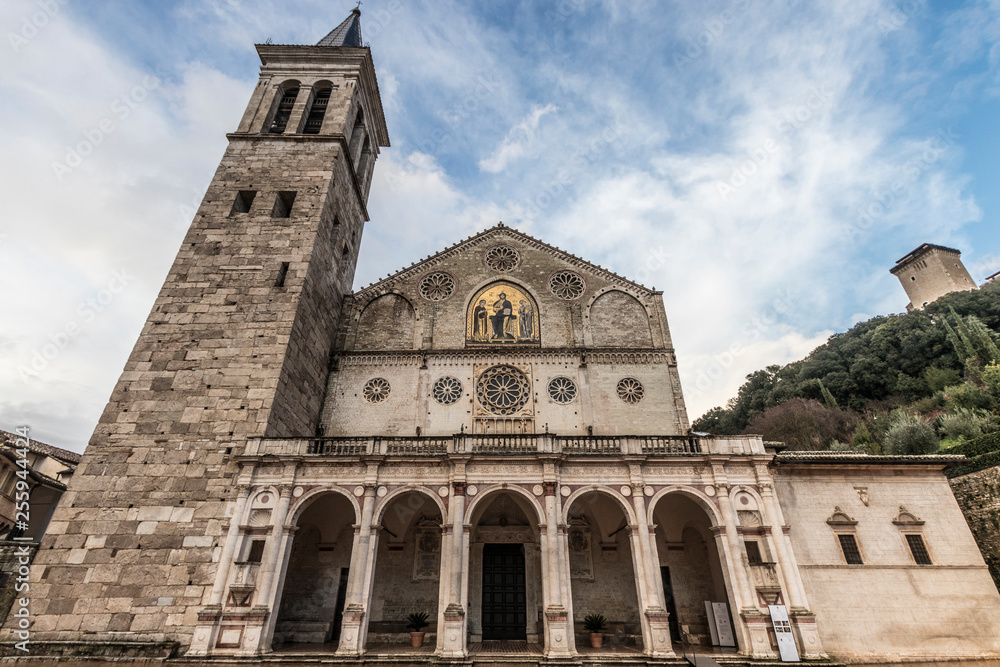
<point>513,444</point>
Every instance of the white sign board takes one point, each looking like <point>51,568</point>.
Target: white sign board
<point>710,615</point>
<point>783,632</point>
<point>722,624</point>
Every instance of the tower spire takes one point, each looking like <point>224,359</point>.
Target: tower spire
<point>347,33</point>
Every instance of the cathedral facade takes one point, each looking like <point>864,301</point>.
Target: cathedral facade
<point>495,436</point>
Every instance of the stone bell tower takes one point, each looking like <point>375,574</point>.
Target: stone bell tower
<point>237,346</point>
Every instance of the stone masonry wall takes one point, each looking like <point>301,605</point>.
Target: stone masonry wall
<point>978,495</point>
<point>226,354</point>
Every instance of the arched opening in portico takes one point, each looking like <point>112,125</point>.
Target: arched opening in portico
<point>407,571</point>
<point>315,575</point>
<point>505,570</point>
<point>691,568</point>
<point>602,570</point>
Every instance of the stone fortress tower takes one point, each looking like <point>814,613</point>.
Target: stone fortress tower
<point>929,272</point>
<point>495,436</point>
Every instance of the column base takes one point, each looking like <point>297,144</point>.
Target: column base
<point>757,625</point>
<point>807,634</point>
<point>559,629</point>
<point>453,634</point>
<point>659,634</point>
<point>350,632</point>
<point>205,631</point>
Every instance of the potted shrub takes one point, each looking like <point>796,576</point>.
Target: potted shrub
<point>416,622</point>
<point>594,624</point>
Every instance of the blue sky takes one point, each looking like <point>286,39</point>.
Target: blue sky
<point>764,164</point>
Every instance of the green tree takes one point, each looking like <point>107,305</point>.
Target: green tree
<point>909,435</point>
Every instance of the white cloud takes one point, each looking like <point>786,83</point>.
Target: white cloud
<point>110,169</point>
<point>517,140</point>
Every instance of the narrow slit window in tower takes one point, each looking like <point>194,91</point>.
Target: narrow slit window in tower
<point>244,199</point>
<point>283,205</point>
<point>282,272</point>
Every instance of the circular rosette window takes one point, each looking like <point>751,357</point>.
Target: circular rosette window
<point>566,285</point>
<point>502,258</point>
<point>630,390</point>
<point>447,390</point>
<point>503,390</point>
<point>376,390</point>
<point>562,390</point>
<point>437,286</point>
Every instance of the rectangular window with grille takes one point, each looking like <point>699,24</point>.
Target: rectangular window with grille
<point>918,549</point>
<point>753,553</point>
<point>849,545</point>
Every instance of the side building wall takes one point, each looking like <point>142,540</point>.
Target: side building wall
<point>890,605</point>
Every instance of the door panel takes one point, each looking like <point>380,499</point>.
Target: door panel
<point>504,599</point>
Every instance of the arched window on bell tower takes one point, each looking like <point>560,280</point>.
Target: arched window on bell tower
<point>286,101</point>
<point>317,111</point>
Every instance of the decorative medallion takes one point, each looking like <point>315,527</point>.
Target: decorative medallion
<point>436,286</point>
<point>447,390</point>
<point>502,314</point>
<point>562,390</point>
<point>502,258</point>
<point>630,390</point>
<point>502,390</point>
<point>376,390</point>
<point>567,285</point>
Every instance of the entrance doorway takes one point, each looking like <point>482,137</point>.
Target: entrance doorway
<point>504,601</point>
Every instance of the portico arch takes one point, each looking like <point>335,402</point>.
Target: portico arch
<point>603,490</point>
<point>315,570</point>
<point>603,564</point>
<point>407,568</point>
<point>505,573</point>
<point>692,558</point>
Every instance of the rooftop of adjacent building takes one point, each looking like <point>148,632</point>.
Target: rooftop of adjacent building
<point>63,455</point>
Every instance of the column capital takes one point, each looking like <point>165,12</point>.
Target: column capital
<point>458,488</point>
<point>550,488</point>
<point>285,490</point>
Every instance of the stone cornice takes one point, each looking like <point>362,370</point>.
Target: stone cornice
<point>556,355</point>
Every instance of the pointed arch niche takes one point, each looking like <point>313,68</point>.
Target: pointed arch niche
<point>502,313</point>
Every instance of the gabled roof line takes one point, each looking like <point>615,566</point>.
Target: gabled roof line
<point>419,266</point>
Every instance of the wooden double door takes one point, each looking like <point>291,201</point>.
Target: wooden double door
<point>504,598</point>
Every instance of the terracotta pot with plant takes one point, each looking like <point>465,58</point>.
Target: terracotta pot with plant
<point>416,622</point>
<point>594,624</point>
